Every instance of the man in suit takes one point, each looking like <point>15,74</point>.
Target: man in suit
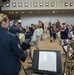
<point>10,52</point>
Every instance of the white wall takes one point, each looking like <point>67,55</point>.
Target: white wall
<point>29,19</point>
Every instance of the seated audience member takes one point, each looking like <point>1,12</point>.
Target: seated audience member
<point>28,35</point>
<point>10,52</point>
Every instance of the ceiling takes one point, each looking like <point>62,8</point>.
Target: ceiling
<point>15,14</point>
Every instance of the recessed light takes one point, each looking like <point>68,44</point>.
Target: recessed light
<point>11,12</point>
<point>41,4</point>
<point>48,12</point>
<point>26,4</point>
<point>52,4</point>
<point>14,4</point>
<point>20,4</point>
<point>30,11</point>
<point>7,4</point>
<point>53,11</point>
<point>38,12</point>
<point>22,12</point>
<point>35,4</point>
<point>71,4</point>
<point>47,4</point>
<point>16,12</point>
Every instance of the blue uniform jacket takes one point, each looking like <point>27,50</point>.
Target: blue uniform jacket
<point>14,30</point>
<point>9,53</point>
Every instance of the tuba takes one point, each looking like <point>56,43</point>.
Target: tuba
<point>69,62</point>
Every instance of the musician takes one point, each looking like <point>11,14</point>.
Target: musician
<point>10,53</point>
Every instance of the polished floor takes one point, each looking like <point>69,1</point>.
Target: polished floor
<point>45,44</point>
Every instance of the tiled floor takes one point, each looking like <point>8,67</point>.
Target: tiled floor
<point>44,45</point>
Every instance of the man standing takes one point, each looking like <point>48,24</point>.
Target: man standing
<point>15,30</point>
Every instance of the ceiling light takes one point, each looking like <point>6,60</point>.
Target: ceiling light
<point>38,12</point>
<point>52,4</point>
<point>53,11</point>
<point>35,4</point>
<point>30,11</point>
<point>14,4</point>
<point>11,12</point>
<point>48,12</point>
<point>22,12</point>
<point>71,4</point>
<point>66,3</point>
<point>41,4</point>
<point>16,12</point>
<point>20,4</point>
<point>47,4</point>
<point>7,4</point>
<point>26,4</point>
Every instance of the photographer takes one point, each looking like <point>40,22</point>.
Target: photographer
<point>10,52</point>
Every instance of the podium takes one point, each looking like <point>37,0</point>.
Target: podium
<point>42,60</point>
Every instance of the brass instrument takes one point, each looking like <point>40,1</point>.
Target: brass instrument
<point>69,62</point>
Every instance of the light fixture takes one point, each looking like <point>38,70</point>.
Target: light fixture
<point>48,12</point>
<point>7,5</point>
<point>20,4</point>
<point>38,12</point>
<point>35,4</point>
<point>66,4</point>
<point>30,11</point>
<point>11,12</point>
<point>41,4</point>
<point>22,12</point>
<point>71,4</point>
<point>46,4</point>
<point>26,4</point>
<point>14,4</point>
<point>16,12</point>
<point>52,4</point>
<point>53,11</point>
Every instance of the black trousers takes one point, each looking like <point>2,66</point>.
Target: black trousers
<point>54,36</point>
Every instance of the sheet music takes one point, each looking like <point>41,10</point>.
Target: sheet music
<point>47,61</point>
<point>65,48</point>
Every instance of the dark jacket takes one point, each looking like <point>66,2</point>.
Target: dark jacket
<point>64,34</point>
<point>10,53</point>
<point>14,30</point>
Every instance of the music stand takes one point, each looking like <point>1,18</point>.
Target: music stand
<point>36,64</point>
<point>65,48</point>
